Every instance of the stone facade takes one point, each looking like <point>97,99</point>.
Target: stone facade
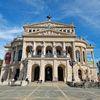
<point>45,51</point>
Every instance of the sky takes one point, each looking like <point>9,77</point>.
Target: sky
<point>84,14</point>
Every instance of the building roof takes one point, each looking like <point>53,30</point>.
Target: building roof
<point>57,24</point>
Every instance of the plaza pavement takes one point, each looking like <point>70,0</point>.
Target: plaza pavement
<point>48,91</point>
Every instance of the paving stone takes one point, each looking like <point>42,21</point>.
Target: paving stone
<point>48,92</point>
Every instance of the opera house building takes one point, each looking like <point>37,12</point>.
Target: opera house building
<point>49,51</point>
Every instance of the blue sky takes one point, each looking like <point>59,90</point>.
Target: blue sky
<point>85,14</point>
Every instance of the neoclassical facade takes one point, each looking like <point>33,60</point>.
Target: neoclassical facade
<point>44,52</point>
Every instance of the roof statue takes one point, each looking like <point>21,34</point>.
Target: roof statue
<point>49,17</point>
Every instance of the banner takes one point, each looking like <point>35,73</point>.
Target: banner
<point>7,58</point>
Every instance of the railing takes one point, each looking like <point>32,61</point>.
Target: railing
<point>37,56</point>
<point>61,56</point>
<point>49,56</point>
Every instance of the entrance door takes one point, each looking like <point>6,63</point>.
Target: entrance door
<point>36,73</point>
<point>80,74</point>
<point>17,74</point>
<point>48,74</point>
<point>60,74</point>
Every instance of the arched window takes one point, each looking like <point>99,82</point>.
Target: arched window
<point>70,51</point>
<point>49,51</point>
<point>30,30</point>
<point>78,55</point>
<point>28,50</point>
<point>14,55</point>
<point>39,50</point>
<point>83,56</point>
<point>59,50</point>
<point>19,55</point>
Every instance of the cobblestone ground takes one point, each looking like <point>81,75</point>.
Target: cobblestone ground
<point>48,91</point>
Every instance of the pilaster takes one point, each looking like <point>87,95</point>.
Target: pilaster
<point>42,71</point>
<point>24,51</point>
<point>34,47</point>
<point>54,49</point>
<point>81,55</point>
<point>43,49</point>
<point>64,49</point>
<point>69,72</point>
<point>74,55</point>
<point>55,71</point>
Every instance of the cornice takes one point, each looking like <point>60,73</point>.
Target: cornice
<point>49,33</point>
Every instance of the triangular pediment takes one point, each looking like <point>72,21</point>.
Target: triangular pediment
<point>46,33</point>
<point>48,24</point>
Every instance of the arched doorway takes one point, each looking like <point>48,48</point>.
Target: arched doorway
<point>17,74</point>
<point>48,73</point>
<point>35,73</point>
<point>60,74</point>
<point>80,74</point>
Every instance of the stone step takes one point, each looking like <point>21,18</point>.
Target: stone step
<point>47,84</point>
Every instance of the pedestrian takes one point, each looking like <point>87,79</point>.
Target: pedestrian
<point>2,80</point>
<point>27,81</point>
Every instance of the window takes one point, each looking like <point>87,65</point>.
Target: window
<point>28,50</point>
<point>14,55</point>
<point>19,55</point>
<point>83,56</point>
<point>72,30</point>
<point>30,30</point>
<point>68,31</point>
<point>33,30</point>
<point>78,55</point>
<point>64,30</point>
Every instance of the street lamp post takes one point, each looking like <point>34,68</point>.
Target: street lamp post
<point>72,63</point>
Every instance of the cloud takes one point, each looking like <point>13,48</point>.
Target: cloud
<point>37,5</point>
<point>87,10</point>
<point>2,52</point>
<point>10,33</point>
<point>7,33</point>
<point>2,20</point>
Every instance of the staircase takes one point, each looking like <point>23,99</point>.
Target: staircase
<point>47,84</point>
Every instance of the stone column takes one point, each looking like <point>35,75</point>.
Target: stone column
<point>13,72</point>
<point>43,50</point>
<point>24,51</point>
<point>64,49</point>
<point>54,49</point>
<point>16,54</point>
<point>92,53</point>
<point>74,54</point>
<point>55,71</point>
<point>34,48</point>
<point>12,54</point>
<point>81,55</point>
<point>69,72</point>
<point>65,74</point>
<point>29,70</point>
<point>42,71</point>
